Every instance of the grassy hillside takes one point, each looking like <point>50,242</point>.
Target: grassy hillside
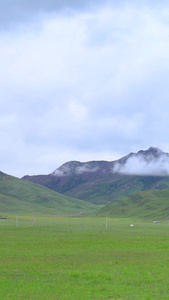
<point>100,188</point>
<point>21,196</point>
<point>152,204</point>
<point>107,189</point>
<point>115,187</point>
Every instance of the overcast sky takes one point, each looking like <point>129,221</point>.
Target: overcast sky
<point>81,80</point>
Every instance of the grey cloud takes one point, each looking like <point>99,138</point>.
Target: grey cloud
<point>20,11</point>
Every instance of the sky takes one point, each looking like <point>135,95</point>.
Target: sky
<point>81,80</point>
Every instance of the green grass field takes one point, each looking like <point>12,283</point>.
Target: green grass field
<point>78,259</point>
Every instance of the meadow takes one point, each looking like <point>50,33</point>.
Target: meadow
<point>79,259</point>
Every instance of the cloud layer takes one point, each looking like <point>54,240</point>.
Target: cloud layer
<point>139,166</point>
<point>81,82</point>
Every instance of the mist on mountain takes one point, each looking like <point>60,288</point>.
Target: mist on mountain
<point>152,162</point>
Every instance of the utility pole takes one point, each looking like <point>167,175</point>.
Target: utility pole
<point>106,223</point>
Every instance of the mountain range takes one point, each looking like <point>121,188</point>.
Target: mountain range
<point>103,182</point>
<point>136,185</point>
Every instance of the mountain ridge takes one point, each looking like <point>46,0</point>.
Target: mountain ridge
<point>102,182</point>
<point>81,167</point>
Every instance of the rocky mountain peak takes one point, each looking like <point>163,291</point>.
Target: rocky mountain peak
<point>127,164</point>
<point>156,152</point>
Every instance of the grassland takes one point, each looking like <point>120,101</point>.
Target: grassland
<point>77,258</point>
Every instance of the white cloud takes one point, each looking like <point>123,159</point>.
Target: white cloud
<point>70,168</point>
<point>88,84</point>
<point>139,166</point>
<point>78,112</point>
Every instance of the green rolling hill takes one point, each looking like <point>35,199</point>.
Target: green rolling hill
<point>21,196</point>
<point>153,204</point>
